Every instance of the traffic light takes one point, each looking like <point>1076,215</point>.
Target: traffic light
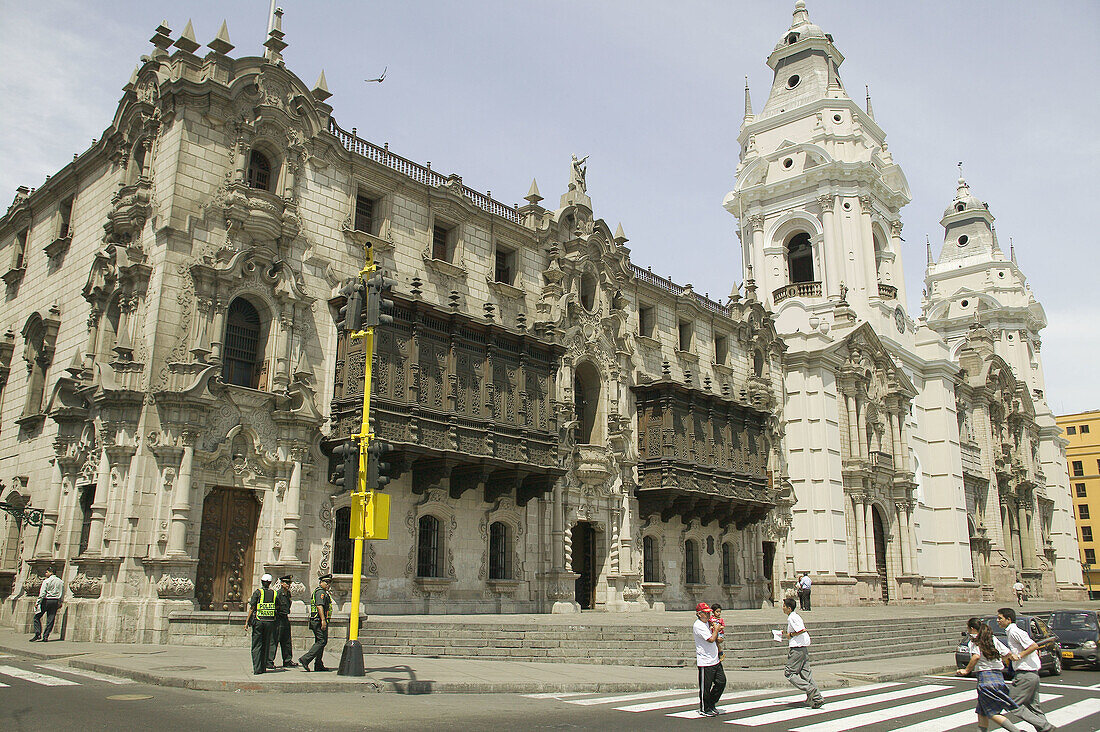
<point>379,306</point>
<point>350,315</point>
<point>379,471</point>
<point>345,473</point>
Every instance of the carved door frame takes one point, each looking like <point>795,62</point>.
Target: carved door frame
<point>227,543</point>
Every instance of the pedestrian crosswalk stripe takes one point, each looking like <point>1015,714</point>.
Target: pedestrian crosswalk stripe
<point>36,678</point>
<point>1047,684</point>
<point>557,694</point>
<point>1073,712</point>
<point>888,714</point>
<point>959,719</point>
<point>784,715</point>
<point>690,700</point>
<point>630,697</point>
<point>3,686</point>
<point>778,701</point>
<point>86,674</point>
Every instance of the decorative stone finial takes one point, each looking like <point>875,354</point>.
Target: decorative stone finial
<point>533,196</point>
<point>320,90</point>
<point>928,246</point>
<point>620,237</point>
<point>162,39</point>
<point>870,109</point>
<point>221,43</point>
<point>275,43</point>
<point>748,103</point>
<point>186,42</point>
<point>1012,250</point>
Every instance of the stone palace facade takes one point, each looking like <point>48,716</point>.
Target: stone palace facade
<point>572,431</point>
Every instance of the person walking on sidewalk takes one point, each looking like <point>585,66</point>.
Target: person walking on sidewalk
<point>280,635</point>
<point>261,618</point>
<point>320,613</point>
<point>1020,591</point>
<point>712,679</point>
<point>49,601</point>
<point>1025,683</point>
<point>987,655</point>
<point>797,669</point>
<point>804,584</point>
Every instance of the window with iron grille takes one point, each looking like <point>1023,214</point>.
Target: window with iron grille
<point>1080,490</point>
<point>504,265</point>
<point>20,254</point>
<point>259,171</point>
<point>427,547</point>
<point>342,544</point>
<point>1083,510</point>
<point>729,577</point>
<point>1090,556</point>
<point>441,241</point>
<point>691,562</point>
<point>242,343</point>
<point>1086,533</point>
<point>364,214</point>
<point>1078,468</point>
<point>87,497</point>
<point>500,565</point>
<point>650,560</point>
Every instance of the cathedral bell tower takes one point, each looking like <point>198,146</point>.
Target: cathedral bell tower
<point>818,194</point>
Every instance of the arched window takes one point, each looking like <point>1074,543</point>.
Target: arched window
<point>757,363</point>
<point>691,562</point>
<point>586,395</point>
<point>428,544</point>
<point>650,560</point>
<point>729,575</point>
<point>241,364</point>
<point>259,171</point>
<point>138,160</point>
<point>38,337</point>
<point>588,291</point>
<point>500,551</point>
<point>800,259</point>
<point>342,544</point>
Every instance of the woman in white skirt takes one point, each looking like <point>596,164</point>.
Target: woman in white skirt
<point>987,655</point>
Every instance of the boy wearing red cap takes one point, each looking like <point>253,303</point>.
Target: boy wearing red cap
<point>712,679</point>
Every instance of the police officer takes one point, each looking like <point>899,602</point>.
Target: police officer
<point>281,632</point>
<point>261,618</point>
<point>320,613</point>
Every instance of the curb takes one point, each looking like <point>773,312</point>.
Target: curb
<point>38,655</point>
<point>876,677</point>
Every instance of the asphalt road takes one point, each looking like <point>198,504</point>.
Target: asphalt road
<point>36,695</point>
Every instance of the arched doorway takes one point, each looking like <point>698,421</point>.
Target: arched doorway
<point>226,543</point>
<point>586,399</point>
<point>800,259</point>
<point>880,553</point>
<point>584,564</point>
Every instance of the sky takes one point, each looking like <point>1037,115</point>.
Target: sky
<point>503,91</point>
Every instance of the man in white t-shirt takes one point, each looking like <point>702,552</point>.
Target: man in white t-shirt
<point>804,591</point>
<point>1019,589</point>
<point>712,679</point>
<point>797,669</point>
<point>1025,662</point>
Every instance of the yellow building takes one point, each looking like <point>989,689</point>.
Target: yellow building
<point>1083,458</point>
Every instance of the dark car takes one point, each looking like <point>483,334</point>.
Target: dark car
<point>1078,634</point>
<point>1050,653</point>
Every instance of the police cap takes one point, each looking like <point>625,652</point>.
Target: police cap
<point>325,578</point>
<point>286,578</point>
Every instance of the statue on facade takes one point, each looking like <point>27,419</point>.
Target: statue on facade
<point>576,181</point>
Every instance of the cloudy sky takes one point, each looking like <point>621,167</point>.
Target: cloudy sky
<point>503,91</point>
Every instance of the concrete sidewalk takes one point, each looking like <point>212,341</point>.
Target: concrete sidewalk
<point>230,669</point>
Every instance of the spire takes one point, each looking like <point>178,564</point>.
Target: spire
<point>186,42</point>
<point>748,103</point>
<point>533,196</point>
<point>275,43</point>
<point>928,246</point>
<point>221,43</point>
<point>996,245</point>
<point>870,109</point>
<point>1012,251</point>
<point>800,14</point>
<point>320,90</point>
<point>620,237</point>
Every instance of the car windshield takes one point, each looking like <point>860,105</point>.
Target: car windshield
<point>1073,621</point>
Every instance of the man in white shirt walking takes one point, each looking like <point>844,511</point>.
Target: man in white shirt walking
<point>712,679</point>
<point>797,669</point>
<point>804,591</point>
<point>49,600</point>
<point>1025,661</point>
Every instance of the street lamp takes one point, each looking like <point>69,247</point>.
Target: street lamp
<point>1085,567</point>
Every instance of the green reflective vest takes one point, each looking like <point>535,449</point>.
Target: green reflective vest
<point>313,605</point>
<point>265,609</point>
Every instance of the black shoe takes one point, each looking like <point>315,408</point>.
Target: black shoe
<point>270,667</point>
<point>35,639</point>
<point>289,664</point>
<point>321,668</point>
<point>710,713</point>
<point>303,664</point>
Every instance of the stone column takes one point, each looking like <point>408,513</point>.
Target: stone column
<point>181,499</point>
<point>292,510</point>
<point>911,538</point>
<point>557,534</point>
<point>833,274</point>
<point>867,238</point>
<point>869,532</point>
<point>862,433</point>
<point>92,344</point>
<point>99,505</point>
<point>44,546</point>
<point>903,540</point>
<point>853,427</point>
<point>861,535</point>
<point>1026,558</point>
<point>903,430</point>
<point>217,339</point>
<point>895,438</point>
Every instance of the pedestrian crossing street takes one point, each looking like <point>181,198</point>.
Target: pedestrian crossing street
<point>60,675</point>
<point>934,705</point>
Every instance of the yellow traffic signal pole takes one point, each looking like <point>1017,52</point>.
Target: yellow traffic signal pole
<point>351,661</point>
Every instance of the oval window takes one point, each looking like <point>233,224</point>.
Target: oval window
<point>793,81</point>
<point>963,240</point>
<point>788,163</point>
<point>964,303</point>
<point>836,118</point>
<point>588,291</point>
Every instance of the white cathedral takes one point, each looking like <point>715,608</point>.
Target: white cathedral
<point>571,431</point>
<point>925,461</point>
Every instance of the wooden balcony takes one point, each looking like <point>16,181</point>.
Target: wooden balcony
<point>799,289</point>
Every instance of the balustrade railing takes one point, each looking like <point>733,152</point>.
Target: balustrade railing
<point>650,278</point>
<point>887,292</point>
<point>882,460</point>
<point>799,289</point>
<point>420,173</point>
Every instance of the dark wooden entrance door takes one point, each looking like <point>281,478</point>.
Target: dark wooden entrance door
<point>880,555</point>
<point>228,536</point>
<point>769,562</point>
<point>584,564</point>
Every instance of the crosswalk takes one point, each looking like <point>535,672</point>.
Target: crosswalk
<point>53,679</point>
<point>934,705</point>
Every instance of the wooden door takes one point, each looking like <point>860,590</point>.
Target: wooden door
<point>880,556</point>
<point>584,564</point>
<point>229,518</point>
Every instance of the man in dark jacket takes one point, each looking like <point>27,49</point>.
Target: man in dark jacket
<point>281,633</point>
<point>261,618</point>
